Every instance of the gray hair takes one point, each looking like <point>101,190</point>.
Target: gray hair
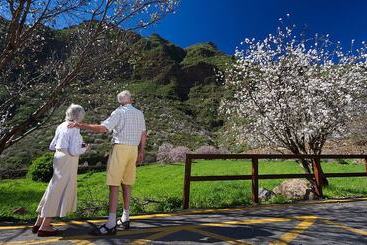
<point>74,113</point>
<point>124,97</point>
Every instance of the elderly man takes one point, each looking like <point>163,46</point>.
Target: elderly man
<point>127,125</point>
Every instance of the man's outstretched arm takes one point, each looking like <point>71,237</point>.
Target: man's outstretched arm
<point>96,128</point>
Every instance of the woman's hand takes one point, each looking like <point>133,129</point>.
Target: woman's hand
<point>88,147</point>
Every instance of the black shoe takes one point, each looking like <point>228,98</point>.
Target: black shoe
<point>123,225</point>
<point>103,231</point>
<point>35,229</point>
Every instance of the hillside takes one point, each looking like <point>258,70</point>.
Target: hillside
<point>176,87</point>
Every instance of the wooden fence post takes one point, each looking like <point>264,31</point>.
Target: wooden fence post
<point>318,178</point>
<point>186,194</point>
<point>255,180</point>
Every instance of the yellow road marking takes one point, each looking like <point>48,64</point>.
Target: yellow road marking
<point>348,228</point>
<point>185,227</point>
<point>202,211</point>
<point>306,222</point>
<point>72,222</point>
<point>31,242</point>
<point>156,236</point>
<point>159,232</point>
<point>248,222</point>
<point>162,230</point>
<point>228,240</point>
<point>119,233</point>
<point>82,242</point>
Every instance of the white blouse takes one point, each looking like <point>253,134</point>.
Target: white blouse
<point>68,139</point>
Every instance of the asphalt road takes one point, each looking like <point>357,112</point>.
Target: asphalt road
<point>322,223</point>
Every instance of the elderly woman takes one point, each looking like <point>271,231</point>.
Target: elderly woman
<point>59,198</point>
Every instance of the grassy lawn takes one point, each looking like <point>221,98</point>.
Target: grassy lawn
<point>159,188</point>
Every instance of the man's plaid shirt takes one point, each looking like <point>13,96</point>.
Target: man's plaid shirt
<point>127,124</point>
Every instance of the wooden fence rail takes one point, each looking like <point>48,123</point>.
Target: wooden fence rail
<point>254,176</point>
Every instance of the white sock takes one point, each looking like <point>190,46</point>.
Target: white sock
<point>125,215</point>
<point>111,220</point>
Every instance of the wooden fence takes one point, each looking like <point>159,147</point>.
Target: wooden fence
<point>254,177</point>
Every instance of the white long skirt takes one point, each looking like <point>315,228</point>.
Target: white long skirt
<point>60,196</point>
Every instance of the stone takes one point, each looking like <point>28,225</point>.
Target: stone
<point>265,194</point>
<point>296,189</point>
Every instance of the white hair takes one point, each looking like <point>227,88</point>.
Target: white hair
<point>124,97</point>
<point>74,113</point>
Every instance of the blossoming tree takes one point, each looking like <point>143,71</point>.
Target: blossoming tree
<point>294,91</point>
<point>99,34</point>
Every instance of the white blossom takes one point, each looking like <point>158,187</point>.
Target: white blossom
<point>294,92</point>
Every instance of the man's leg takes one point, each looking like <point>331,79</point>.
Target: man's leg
<point>112,206</point>
<point>126,194</point>
<point>128,181</point>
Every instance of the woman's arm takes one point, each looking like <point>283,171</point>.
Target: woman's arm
<point>52,146</point>
<point>75,143</point>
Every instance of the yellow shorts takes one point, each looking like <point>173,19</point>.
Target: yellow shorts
<point>121,166</point>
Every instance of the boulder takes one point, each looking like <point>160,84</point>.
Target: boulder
<point>298,189</point>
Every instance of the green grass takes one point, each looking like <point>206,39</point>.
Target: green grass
<point>159,188</point>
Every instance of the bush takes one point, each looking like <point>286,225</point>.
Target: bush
<point>93,158</point>
<point>342,161</point>
<point>41,168</point>
<point>178,154</point>
<point>163,153</point>
<point>167,153</point>
<point>207,149</point>
<point>223,150</point>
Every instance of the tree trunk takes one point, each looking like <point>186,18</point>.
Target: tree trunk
<point>307,166</point>
<point>325,181</point>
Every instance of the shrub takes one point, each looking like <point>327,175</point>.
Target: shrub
<point>207,149</point>
<point>93,157</point>
<point>342,161</point>
<point>41,168</point>
<point>150,157</point>
<point>223,150</point>
<point>169,204</point>
<point>163,153</point>
<point>178,154</point>
<point>167,153</point>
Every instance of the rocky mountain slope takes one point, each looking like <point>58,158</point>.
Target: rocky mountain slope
<point>177,88</point>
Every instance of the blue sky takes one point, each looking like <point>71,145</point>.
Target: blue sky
<point>228,22</point>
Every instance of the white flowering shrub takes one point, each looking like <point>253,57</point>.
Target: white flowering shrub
<point>178,154</point>
<point>163,153</point>
<point>208,149</point>
<point>167,153</point>
<point>294,91</point>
